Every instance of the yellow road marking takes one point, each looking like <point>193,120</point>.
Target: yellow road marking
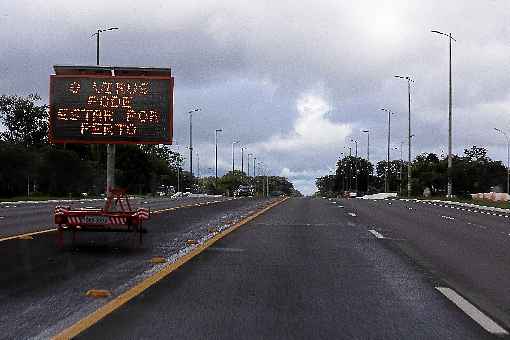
<point>98,293</point>
<point>25,236</point>
<point>157,260</point>
<point>123,298</point>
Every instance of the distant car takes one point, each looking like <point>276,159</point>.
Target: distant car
<point>244,190</point>
<point>276,193</point>
<point>165,190</point>
<point>177,195</point>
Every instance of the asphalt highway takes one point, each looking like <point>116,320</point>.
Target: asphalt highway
<point>20,218</point>
<point>319,269</point>
<point>43,288</point>
<point>466,248</point>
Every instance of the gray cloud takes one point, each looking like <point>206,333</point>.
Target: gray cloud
<point>247,64</point>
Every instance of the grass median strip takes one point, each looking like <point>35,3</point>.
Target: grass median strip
<point>131,293</point>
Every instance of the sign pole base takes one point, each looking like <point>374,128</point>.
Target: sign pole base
<point>110,168</point>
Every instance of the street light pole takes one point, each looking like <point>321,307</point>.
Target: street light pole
<point>409,184</point>
<point>242,159</point>
<point>254,172</point>
<point>233,156</point>
<point>99,31</point>
<point>507,159</point>
<point>198,165</point>
<point>400,168</point>
<point>191,141</point>
<point>178,178</point>
<point>110,148</point>
<point>216,150</point>
<point>248,164</point>
<point>267,182</point>
<point>386,183</point>
<point>178,168</point>
<point>349,176</point>
<point>97,47</point>
<point>342,171</point>
<point>401,164</point>
<point>355,164</point>
<point>262,178</point>
<point>265,171</point>
<point>450,185</point>
<point>368,157</point>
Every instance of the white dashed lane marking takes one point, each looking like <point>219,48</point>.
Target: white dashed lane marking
<point>376,233</point>
<point>474,313</point>
<point>352,214</point>
<point>477,225</point>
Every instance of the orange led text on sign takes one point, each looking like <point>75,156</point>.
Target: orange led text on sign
<point>109,109</point>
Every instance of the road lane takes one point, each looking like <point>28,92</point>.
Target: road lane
<point>42,288</point>
<point>304,270</point>
<point>470,252</point>
<point>20,218</point>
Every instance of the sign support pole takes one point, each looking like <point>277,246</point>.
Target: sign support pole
<point>110,167</point>
<point>110,148</point>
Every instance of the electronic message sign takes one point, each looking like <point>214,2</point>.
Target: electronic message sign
<point>107,109</point>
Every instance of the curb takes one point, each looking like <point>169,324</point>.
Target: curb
<point>462,204</point>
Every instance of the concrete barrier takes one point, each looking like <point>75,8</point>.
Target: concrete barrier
<point>380,196</point>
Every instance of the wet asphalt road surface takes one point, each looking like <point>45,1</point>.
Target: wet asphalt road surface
<point>19,218</point>
<point>466,248</point>
<point>42,288</point>
<point>307,269</point>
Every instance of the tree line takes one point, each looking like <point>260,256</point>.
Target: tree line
<point>473,171</point>
<point>274,185</point>
<point>32,166</point>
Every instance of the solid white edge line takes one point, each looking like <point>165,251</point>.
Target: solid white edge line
<point>375,233</point>
<point>474,313</point>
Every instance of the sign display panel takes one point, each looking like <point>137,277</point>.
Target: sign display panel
<point>111,109</point>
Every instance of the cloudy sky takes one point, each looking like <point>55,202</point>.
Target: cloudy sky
<point>294,81</point>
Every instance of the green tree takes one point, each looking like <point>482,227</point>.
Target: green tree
<point>394,175</point>
<point>26,121</point>
<point>231,181</point>
<point>133,169</point>
<point>18,166</point>
<point>476,172</point>
<point>353,173</point>
<point>326,185</point>
<point>428,171</point>
<point>62,172</point>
